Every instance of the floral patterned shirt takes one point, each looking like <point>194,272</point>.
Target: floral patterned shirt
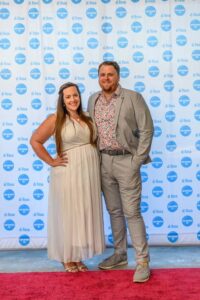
<point>104,118</point>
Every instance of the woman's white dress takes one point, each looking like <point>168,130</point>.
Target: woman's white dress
<point>75,221</point>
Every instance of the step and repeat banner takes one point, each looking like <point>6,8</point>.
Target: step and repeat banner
<point>46,43</point>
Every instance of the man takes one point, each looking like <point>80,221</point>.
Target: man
<point>125,131</point>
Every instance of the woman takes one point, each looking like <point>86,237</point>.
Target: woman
<point>75,226</point>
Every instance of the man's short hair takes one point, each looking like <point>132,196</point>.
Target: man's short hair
<point>110,63</point>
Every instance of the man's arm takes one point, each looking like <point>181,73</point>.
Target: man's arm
<point>145,129</point>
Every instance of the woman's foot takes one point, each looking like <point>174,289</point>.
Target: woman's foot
<point>81,266</point>
<point>70,267</point>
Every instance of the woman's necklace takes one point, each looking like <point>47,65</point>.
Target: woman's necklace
<point>76,118</point>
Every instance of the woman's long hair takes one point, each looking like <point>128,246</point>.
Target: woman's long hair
<point>62,113</point>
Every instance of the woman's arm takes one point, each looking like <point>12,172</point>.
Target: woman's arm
<point>40,136</point>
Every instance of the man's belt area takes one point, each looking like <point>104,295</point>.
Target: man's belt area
<point>114,152</point>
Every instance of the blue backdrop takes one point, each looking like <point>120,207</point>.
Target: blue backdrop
<point>157,44</point>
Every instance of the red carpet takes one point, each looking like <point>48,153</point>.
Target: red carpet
<point>165,284</point>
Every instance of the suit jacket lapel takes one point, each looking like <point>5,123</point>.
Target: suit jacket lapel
<point>117,109</point>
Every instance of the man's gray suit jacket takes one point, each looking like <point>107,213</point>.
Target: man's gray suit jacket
<point>133,124</point>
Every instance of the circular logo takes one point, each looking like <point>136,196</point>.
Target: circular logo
<point>77,28</point>
<point>172,176</point>
<point>185,130</point>
<point>181,40</point>
<point>198,205</point>
<point>7,134</point>
<point>5,74</point>
<point>187,190</point>
<point>184,100</point>
<point>4,13</point>
<point>76,1</point>
<point>136,27</point>
<point>50,88</point>
<point>153,71</point>
<point>9,194</point>
<point>23,179</point>
<point>51,148</point>
<point>22,149</point>
<point>110,238</point>
<point>187,221</point>
<point>19,28</point>
<point>155,101</point>
<point>152,41</point>
<point>122,42</point>
<point>78,58</point>
<point>6,104</point>
<point>170,116</point>
<point>108,56</point>
<point>172,236</point>
<point>144,176</point>
<point>158,221</point>
<point>157,162</point>
<point>196,85</point>
<point>120,12</point>
<point>182,70</point>
<point>18,1</point>
<point>124,72</point>
<point>91,13</point>
<point>197,115</point>
<point>186,162</point>
<point>198,235</point>
<point>166,26</point>
<point>21,89</point>
<point>48,58</point>
<point>138,57</point>
<point>150,11</point>
<point>198,175</point>
<point>157,191</point>
<point>20,58</point>
<point>195,25</point>
<point>93,73</point>
<point>36,103</point>
<point>8,165</point>
<point>168,86</point>
<point>81,87</point>
<point>22,119</point>
<point>179,10</point>
<point>167,55</point>
<point>4,44</point>
<point>171,146</point>
<point>38,194</point>
<point>33,13</point>
<point>35,73</point>
<point>197,145</point>
<point>34,43</point>
<point>64,73</point>
<point>24,209</point>
<point>24,240</point>
<point>9,225</point>
<point>139,87</point>
<point>106,27</point>
<point>62,13</point>
<point>144,206</point>
<point>92,43</point>
<point>47,28</point>
<point>172,206</point>
<point>196,54</point>
<point>37,165</point>
<point>157,131</point>
<point>38,224</point>
<point>63,43</point>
